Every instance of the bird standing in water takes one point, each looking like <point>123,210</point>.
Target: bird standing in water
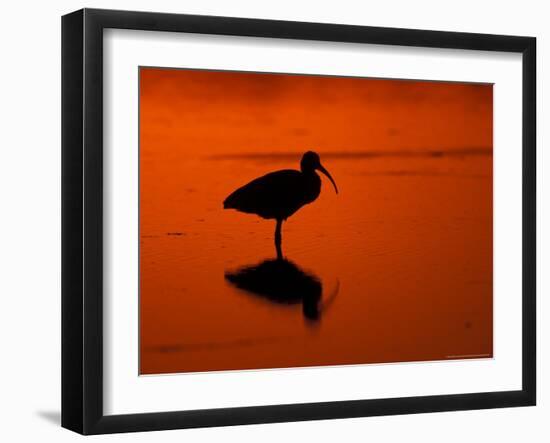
<point>280,194</point>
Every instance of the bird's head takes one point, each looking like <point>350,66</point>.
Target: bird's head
<point>311,162</point>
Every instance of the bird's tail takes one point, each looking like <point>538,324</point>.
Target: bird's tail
<point>229,202</point>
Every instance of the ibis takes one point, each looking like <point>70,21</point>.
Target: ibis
<point>280,194</point>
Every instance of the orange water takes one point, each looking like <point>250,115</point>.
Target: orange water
<point>402,255</point>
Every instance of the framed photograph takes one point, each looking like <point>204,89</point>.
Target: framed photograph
<point>269,221</point>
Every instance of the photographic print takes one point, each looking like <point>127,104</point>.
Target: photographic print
<point>294,220</point>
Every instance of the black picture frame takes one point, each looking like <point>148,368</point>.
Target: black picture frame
<point>82,218</point>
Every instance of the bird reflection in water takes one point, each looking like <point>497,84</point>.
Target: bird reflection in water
<point>283,282</point>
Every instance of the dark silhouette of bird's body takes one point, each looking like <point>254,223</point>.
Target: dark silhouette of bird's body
<point>280,194</point>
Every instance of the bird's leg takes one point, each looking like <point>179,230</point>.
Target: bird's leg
<point>278,239</point>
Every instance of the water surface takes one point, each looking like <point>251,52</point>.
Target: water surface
<point>397,267</point>
<point>403,254</point>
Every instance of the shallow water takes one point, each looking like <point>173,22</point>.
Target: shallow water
<point>396,267</point>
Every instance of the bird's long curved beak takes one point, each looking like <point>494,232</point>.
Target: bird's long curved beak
<point>324,171</point>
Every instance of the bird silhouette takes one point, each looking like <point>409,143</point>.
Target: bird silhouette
<point>280,194</point>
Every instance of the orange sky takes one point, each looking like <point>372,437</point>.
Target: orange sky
<point>220,111</point>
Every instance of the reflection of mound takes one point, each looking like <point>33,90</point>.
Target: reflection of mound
<point>280,281</point>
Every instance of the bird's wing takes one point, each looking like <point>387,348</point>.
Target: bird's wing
<point>268,193</point>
